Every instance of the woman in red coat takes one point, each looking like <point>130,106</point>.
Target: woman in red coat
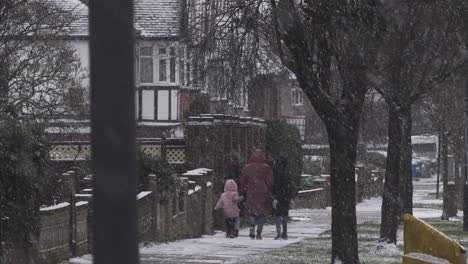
<point>256,183</point>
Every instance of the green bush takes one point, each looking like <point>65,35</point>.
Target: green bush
<point>284,140</point>
<point>25,181</point>
<point>167,178</point>
<point>199,105</point>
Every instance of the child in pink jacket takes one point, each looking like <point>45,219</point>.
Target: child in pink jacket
<point>228,201</point>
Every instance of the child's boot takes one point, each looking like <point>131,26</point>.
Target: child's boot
<point>252,232</point>
<point>236,233</point>
<point>259,236</point>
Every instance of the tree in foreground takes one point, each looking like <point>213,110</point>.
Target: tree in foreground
<point>422,49</point>
<point>40,76</point>
<point>39,79</point>
<point>328,46</point>
<point>283,140</point>
<point>444,106</point>
<point>25,182</point>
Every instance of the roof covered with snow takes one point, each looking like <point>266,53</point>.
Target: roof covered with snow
<point>154,19</point>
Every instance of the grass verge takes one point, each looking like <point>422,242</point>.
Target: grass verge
<point>428,206</point>
<point>318,250</point>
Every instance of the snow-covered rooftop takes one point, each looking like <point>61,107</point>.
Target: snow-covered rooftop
<point>153,18</point>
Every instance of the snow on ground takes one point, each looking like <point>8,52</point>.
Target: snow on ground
<point>307,223</point>
<point>217,248</point>
<point>430,201</point>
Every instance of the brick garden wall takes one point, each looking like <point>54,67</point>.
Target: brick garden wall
<point>212,140</point>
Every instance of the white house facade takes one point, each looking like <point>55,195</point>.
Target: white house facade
<point>160,65</point>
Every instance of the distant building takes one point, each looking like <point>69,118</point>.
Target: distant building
<point>278,96</point>
<point>160,62</point>
<point>170,71</point>
<point>425,146</point>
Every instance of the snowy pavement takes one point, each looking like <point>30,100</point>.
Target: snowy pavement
<point>218,249</point>
<point>308,223</point>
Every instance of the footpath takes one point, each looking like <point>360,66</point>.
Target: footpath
<point>306,223</point>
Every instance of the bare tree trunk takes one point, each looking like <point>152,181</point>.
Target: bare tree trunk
<point>438,163</point>
<point>445,174</point>
<point>406,179</point>
<point>390,196</point>
<point>1,241</point>
<point>458,179</point>
<point>343,149</point>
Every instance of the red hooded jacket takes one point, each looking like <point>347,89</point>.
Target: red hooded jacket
<point>256,183</point>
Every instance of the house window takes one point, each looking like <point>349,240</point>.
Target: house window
<point>195,73</point>
<point>182,66</point>
<point>188,70</point>
<point>172,65</point>
<point>181,72</point>
<point>146,64</point>
<point>297,97</point>
<point>162,65</point>
<point>167,65</point>
<point>299,122</point>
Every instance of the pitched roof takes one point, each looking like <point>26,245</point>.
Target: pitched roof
<point>158,18</point>
<point>153,18</point>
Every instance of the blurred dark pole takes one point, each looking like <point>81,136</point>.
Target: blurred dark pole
<point>438,162</point>
<point>465,186</point>
<point>113,132</point>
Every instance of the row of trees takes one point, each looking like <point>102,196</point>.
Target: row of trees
<point>40,79</point>
<point>339,50</point>
<point>40,76</point>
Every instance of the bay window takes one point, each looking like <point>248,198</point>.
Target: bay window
<point>181,72</point>
<point>162,65</point>
<point>172,65</point>
<point>160,71</point>
<point>146,64</point>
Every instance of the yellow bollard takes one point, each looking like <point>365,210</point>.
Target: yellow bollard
<point>425,244</point>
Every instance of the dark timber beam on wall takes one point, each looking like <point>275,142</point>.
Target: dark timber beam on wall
<point>113,132</point>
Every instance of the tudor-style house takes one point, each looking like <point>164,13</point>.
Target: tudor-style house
<point>160,66</point>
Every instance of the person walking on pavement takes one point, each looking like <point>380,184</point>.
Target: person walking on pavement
<point>232,171</point>
<point>282,193</point>
<point>229,203</point>
<point>256,184</point>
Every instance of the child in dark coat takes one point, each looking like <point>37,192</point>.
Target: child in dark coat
<point>282,193</point>
<point>229,203</point>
